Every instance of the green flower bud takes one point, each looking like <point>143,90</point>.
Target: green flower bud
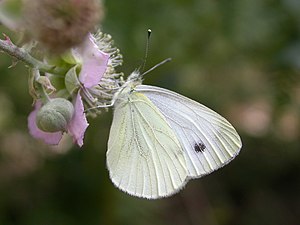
<point>55,115</point>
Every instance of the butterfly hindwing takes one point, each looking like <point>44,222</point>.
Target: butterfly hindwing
<point>144,156</point>
<point>209,140</point>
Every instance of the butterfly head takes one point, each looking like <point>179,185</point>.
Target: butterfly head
<point>135,78</point>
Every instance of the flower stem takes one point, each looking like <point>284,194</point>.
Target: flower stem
<point>20,54</point>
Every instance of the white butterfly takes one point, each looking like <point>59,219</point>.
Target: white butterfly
<point>160,139</point>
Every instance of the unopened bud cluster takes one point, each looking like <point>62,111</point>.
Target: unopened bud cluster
<point>60,25</point>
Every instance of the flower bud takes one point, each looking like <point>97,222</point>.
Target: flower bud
<point>60,25</point>
<point>55,115</point>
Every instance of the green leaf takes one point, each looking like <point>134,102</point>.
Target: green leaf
<point>71,80</point>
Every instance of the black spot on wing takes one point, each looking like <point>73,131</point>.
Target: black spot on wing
<point>199,147</point>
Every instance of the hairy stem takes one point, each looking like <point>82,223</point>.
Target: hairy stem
<point>22,55</point>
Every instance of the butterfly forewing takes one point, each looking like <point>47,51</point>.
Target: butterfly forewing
<point>144,157</point>
<point>209,140</point>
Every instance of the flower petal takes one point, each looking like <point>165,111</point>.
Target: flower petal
<point>78,123</point>
<point>48,138</point>
<point>94,63</point>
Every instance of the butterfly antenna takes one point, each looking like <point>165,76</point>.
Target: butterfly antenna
<point>157,65</point>
<point>147,49</point>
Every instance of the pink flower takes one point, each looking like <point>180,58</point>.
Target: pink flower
<point>78,123</point>
<point>93,66</point>
<point>94,63</point>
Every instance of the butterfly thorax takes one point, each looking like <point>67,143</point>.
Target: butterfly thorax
<point>133,80</point>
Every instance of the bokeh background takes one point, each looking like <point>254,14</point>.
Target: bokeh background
<point>239,57</point>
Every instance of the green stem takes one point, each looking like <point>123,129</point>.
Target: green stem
<point>35,76</point>
<point>20,54</point>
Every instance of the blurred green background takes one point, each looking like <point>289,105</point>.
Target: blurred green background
<point>239,57</point>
